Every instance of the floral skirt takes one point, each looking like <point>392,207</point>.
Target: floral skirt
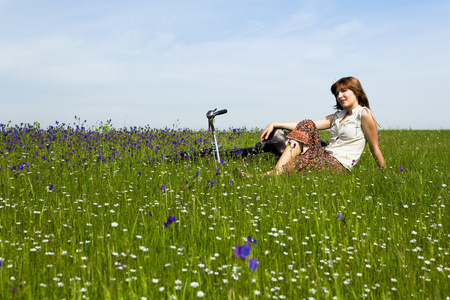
<point>314,157</point>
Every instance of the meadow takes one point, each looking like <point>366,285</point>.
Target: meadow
<point>100,213</point>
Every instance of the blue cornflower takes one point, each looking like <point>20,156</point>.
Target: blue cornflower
<point>170,219</point>
<point>340,217</point>
<point>253,264</point>
<point>249,239</point>
<point>242,251</point>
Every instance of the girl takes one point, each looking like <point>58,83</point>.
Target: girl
<point>350,127</point>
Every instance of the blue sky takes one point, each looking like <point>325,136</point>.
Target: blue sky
<point>166,63</point>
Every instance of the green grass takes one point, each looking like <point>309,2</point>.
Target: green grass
<point>91,235</point>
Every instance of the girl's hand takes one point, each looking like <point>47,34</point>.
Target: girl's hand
<point>266,132</point>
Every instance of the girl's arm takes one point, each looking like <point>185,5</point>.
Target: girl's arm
<point>284,125</point>
<point>324,123</point>
<point>369,126</point>
<point>321,124</point>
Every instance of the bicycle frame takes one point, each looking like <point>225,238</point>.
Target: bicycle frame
<point>215,146</point>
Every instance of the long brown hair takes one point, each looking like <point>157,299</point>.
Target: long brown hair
<point>352,84</point>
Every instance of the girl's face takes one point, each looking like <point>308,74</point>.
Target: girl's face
<point>346,98</point>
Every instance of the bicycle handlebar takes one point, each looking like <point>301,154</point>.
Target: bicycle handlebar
<point>212,113</point>
<point>220,112</point>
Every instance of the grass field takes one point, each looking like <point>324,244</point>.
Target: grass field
<point>95,213</point>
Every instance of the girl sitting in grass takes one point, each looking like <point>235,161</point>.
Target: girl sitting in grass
<point>350,127</point>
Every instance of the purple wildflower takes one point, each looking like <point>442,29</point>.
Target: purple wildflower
<point>340,217</point>
<point>401,169</point>
<point>253,264</point>
<point>50,187</point>
<point>14,290</point>
<point>170,219</point>
<point>249,239</point>
<point>242,251</point>
<point>163,187</point>
<point>150,214</point>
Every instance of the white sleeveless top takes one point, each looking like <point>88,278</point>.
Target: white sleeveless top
<point>347,139</point>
